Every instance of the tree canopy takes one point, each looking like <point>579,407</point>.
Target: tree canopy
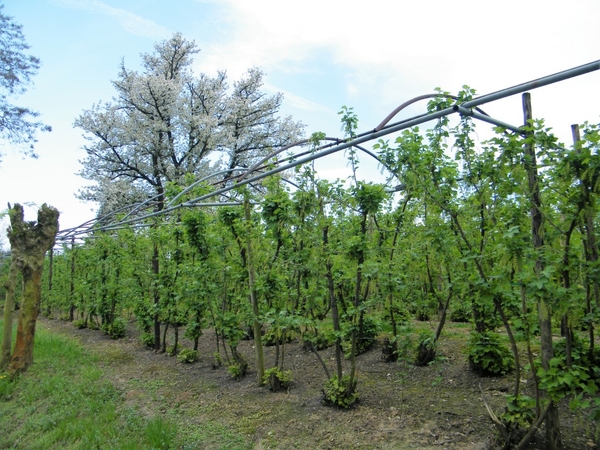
<point>18,124</point>
<point>165,121</point>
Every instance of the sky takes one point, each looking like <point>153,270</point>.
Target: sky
<point>321,55</point>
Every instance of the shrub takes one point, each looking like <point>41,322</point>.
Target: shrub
<point>147,339</point>
<point>389,349</point>
<point>217,360</point>
<point>116,329</point>
<point>339,392</point>
<point>364,339</point>
<point>487,356</point>
<point>277,380</point>
<point>80,324</point>
<point>462,314</point>
<point>519,413</point>
<point>426,349</point>
<point>187,355</point>
<point>580,354</point>
<point>238,369</point>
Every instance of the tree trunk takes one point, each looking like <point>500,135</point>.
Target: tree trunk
<point>72,283</point>
<point>544,313</point>
<point>260,360</point>
<point>29,243</point>
<point>334,308</point>
<point>156,297</point>
<point>9,307</point>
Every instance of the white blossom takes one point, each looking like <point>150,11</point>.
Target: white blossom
<point>164,122</point>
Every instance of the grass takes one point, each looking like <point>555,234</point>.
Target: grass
<point>63,401</point>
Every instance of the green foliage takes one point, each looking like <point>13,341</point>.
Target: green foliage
<point>147,339</point>
<point>116,329</point>
<point>193,330</point>
<point>80,324</point>
<point>187,355</point>
<point>461,314</point>
<point>369,197</point>
<point>580,356</point>
<point>340,392</point>
<point>196,229</point>
<point>316,138</point>
<point>324,339</point>
<point>365,338</point>
<point>520,411</point>
<point>273,336</point>
<point>217,360</point>
<point>277,379</point>
<point>349,121</point>
<point>559,381</point>
<point>487,355</point>
<point>426,349</point>
<point>238,369</point>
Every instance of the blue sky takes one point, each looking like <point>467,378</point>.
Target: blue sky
<point>321,54</point>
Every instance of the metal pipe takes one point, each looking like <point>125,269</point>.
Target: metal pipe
<point>402,126</point>
<point>469,112</point>
<point>368,136</point>
<point>208,177</point>
<point>544,81</point>
<point>391,115</point>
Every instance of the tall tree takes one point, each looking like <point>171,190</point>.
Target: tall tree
<point>165,122</point>
<point>18,125</point>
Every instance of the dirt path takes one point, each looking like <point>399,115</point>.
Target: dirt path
<point>401,406</point>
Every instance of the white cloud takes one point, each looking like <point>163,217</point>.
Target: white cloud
<point>388,52</point>
<point>297,101</point>
<point>131,22</point>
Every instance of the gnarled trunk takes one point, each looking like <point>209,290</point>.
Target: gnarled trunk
<point>29,243</point>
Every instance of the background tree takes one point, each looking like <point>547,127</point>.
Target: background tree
<point>163,125</point>
<point>165,122</point>
<point>17,123</point>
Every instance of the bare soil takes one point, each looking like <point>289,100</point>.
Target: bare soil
<point>401,406</point>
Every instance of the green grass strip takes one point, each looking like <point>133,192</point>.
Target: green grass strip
<point>63,401</point>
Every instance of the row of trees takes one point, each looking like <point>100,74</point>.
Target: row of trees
<point>502,233</point>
